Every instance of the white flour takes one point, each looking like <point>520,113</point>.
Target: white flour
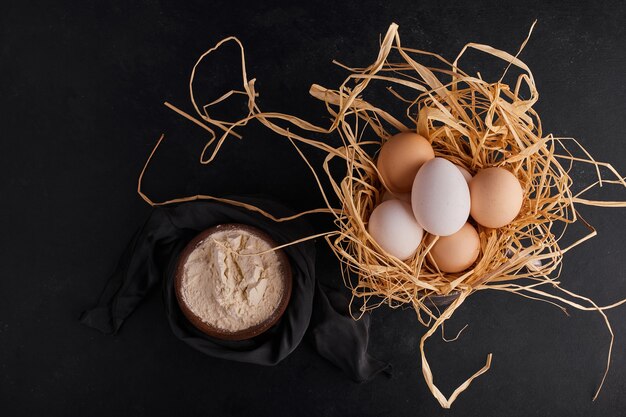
<point>229,291</point>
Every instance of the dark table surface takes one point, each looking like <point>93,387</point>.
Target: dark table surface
<point>82,85</point>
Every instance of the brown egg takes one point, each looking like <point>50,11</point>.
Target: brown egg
<point>400,158</point>
<point>496,197</point>
<point>456,252</point>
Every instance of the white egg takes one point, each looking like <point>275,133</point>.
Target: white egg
<point>466,174</point>
<point>440,197</point>
<point>393,226</point>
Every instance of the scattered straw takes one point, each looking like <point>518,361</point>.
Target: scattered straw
<point>471,122</point>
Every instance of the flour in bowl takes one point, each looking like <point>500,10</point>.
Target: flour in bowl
<point>225,288</point>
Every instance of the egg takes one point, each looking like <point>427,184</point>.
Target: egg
<point>440,197</point>
<point>466,174</point>
<point>457,252</point>
<point>387,195</point>
<point>496,197</point>
<point>400,158</point>
<point>393,226</point>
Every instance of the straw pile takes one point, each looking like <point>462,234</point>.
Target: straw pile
<point>469,121</point>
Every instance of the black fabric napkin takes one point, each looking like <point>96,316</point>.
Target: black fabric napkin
<point>151,257</point>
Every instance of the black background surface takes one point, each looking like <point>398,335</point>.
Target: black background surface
<point>82,85</point>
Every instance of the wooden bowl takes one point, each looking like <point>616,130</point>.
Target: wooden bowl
<point>250,332</point>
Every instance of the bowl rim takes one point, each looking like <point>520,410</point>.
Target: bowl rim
<point>250,332</point>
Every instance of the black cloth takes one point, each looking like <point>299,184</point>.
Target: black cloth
<point>151,258</point>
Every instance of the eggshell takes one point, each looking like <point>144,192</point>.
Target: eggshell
<point>466,174</point>
<point>457,252</point>
<point>400,158</point>
<point>440,197</point>
<point>393,226</point>
<point>497,197</point>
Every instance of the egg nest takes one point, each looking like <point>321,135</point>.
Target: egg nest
<point>469,121</point>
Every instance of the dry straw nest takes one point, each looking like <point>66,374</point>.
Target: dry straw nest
<point>470,121</point>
